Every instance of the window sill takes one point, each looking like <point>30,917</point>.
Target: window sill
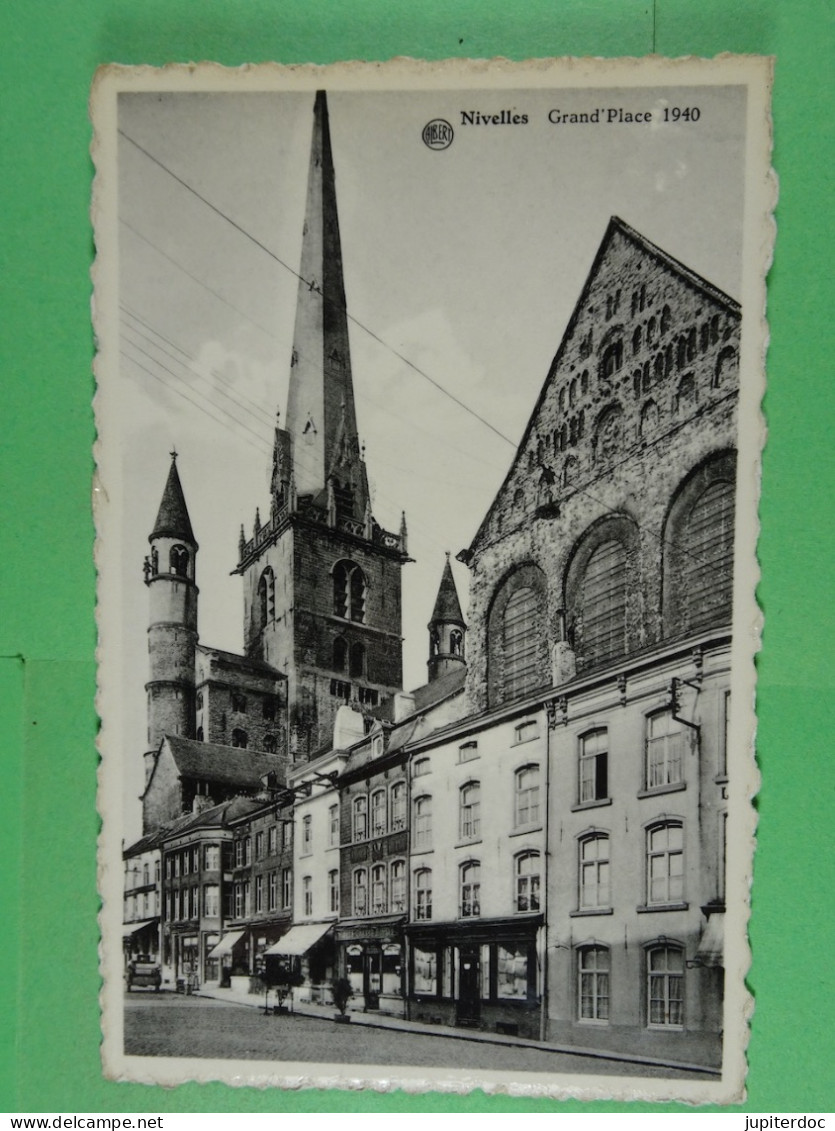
<point>721,779</point>
<point>591,911</point>
<point>596,804</point>
<point>525,830</point>
<point>422,851</point>
<point>656,791</point>
<point>468,843</point>
<point>648,909</point>
<point>595,1022</point>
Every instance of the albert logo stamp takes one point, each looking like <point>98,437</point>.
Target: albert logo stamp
<point>438,134</point>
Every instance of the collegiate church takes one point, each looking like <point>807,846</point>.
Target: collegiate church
<point>584,724</point>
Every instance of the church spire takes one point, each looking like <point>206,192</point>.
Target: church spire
<point>172,517</point>
<point>321,418</point>
<point>447,628</point>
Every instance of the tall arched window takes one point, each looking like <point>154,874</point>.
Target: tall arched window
<point>470,875</point>
<point>349,591</point>
<point>357,665</point>
<point>360,818</point>
<point>378,813</point>
<point>397,886</point>
<point>665,863</point>
<point>360,891</point>
<point>517,650</point>
<point>469,811</point>
<point>698,549</point>
<point>423,893</point>
<point>340,654</point>
<point>379,890</point>
<point>178,560</point>
<point>595,891</point>
<point>665,987</point>
<point>526,796</point>
<point>422,822</point>
<point>266,597</point>
<point>600,591</point>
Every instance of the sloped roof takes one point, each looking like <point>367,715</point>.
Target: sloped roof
<point>245,663</point>
<point>230,765</point>
<point>447,606</point>
<point>427,695</point>
<point>172,517</point>
<point>217,816</point>
<point>144,844</point>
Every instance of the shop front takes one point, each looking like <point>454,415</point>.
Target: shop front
<point>371,957</point>
<point>485,975</point>
<point>307,955</point>
<point>140,941</point>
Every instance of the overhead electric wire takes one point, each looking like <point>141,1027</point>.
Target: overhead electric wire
<point>376,337</point>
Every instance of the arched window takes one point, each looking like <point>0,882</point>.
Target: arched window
<point>357,666</point>
<point>422,822</point>
<point>379,890</point>
<point>423,893</point>
<point>527,881</point>
<point>526,796</point>
<point>666,319</point>
<point>594,766</point>
<point>349,591</point>
<point>178,560</point>
<point>470,876</point>
<point>726,365</point>
<point>378,813</point>
<point>593,983</point>
<point>266,597</point>
<point>665,863</point>
<point>456,642</point>
<point>612,359</point>
<point>664,751</point>
<point>397,886</point>
<point>340,654</point>
<point>469,811</point>
<point>665,987</point>
<point>270,743</point>
<point>603,599</point>
<point>360,818</point>
<point>595,891</point>
<point>240,738</point>
<point>359,888</point>
<point>698,549</point>
<point>517,646</point>
<point>397,808</point>
<point>649,419</point>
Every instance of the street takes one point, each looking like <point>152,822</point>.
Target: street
<point>170,1025</point>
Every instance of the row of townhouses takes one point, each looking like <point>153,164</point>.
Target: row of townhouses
<point>532,841</point>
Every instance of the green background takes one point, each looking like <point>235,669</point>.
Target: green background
<point>47,629</point>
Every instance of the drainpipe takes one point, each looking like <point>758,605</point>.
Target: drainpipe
<point>550,723</point>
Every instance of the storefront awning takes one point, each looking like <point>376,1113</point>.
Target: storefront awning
<point>131,929</point>
<point>226,944</point>
<point>299,939</point>
<point>711,950</point>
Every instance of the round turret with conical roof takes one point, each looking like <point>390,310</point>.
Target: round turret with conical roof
<point>447,628</point>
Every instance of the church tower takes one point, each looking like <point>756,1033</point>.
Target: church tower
<point>447,629</point>
<point>172,627</point>
<point>322,597</point>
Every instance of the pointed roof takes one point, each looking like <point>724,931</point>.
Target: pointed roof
<point>447,606</point>
<point>172,517</point>
<point>321,416</point>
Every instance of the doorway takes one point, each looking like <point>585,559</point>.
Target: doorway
<point>468,1006</point>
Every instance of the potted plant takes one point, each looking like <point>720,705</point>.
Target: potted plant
<point>342,991</point>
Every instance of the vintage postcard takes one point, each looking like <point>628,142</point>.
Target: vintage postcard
<point>428,466</point>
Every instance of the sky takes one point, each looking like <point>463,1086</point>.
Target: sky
<point>467,262</point>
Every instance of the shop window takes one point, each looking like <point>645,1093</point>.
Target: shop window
<point>593,983</point>
<point>469,811</point>
<point>664,751</point>
<point>422,823</point>
<point>512,971</point>
<point>665,987</point>
<point>665,863</point>
<point>425,971</point>
<point>594,766</point>
<point>470,884</point>
<point>526,796</point>
<point>423,893</point>
<point>527,878</point>
<point>595,891</point>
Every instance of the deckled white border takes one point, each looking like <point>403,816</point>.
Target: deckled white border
<point>756,73</point>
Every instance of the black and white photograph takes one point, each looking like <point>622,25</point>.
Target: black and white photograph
<point>428,410</point>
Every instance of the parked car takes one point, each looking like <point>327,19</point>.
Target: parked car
<point>143,972</point>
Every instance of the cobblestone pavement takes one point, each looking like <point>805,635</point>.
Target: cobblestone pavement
<point>169,1025</point>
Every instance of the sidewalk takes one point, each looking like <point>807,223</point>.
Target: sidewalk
<point>399,1024</point>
